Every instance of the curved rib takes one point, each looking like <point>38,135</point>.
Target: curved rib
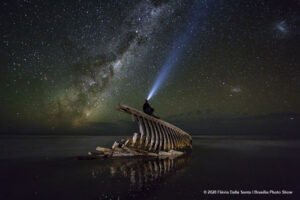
<point>141,130</point>
<point>146,125</point>
<point>172,142</point>
<point>168,141</point>
<point>156,136</point>
<point>163,138</point>
<point>160,136</point>
<point>152,135</point>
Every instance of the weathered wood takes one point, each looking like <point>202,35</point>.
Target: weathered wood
<point>161,138</point>
<point>152,135</point>
<point>171,138</point>
<point>141,130</point>
<point>171,153</point>
<point>147,132</point>
<point>102,149</point>
<point>130,110</point>
<point>167,136</point>
<point>116,144</point>
<point>134,138</point>
<point>168,142</point>
<point>155,138</point>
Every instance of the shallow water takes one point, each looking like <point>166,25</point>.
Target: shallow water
<point>46,167</point>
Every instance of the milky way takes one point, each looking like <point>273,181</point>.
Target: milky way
<point>67,65</point>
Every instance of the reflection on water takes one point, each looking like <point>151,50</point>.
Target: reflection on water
<point>48,168</point>
<point>143,172</point>
<point>69,178</point>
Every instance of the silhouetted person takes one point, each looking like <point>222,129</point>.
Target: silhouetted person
<point>148,109</point>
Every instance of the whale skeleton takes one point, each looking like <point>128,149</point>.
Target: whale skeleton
<point>155,138</point>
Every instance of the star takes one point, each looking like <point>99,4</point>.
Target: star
<point>236,89</point>
<point>282,27</point>
<point>66,64</point>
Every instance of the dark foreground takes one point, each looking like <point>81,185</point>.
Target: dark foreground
<point>47,168</point>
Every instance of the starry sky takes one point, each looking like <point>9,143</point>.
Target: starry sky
<point>66,65</point>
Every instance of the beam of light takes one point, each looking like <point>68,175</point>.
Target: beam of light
<point>170,62</point>
<point>174,55</point>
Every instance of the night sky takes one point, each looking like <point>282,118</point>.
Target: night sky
<point>65,65</point>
